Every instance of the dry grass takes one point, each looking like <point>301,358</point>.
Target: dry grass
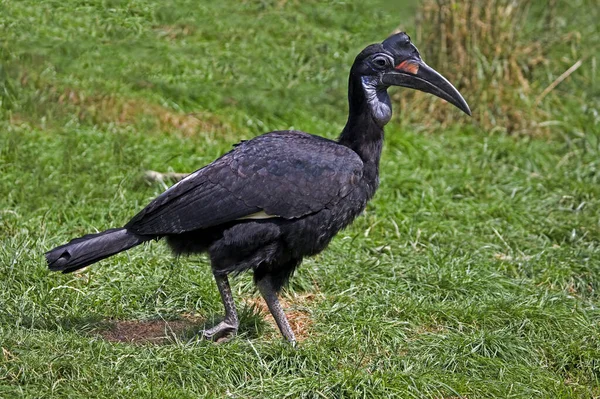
<point>483,47</point>
<point>101,109</point>
<point>114,109</point>
<point>296,309</point>
<point>175,32</point>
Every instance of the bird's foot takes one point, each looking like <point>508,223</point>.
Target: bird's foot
<point>222,332</point>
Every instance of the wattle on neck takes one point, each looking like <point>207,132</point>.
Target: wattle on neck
<point>363,132</point>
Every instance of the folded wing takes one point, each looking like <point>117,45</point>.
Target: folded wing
<point>286,174</point>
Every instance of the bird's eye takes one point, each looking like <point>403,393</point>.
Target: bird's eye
<point>380,61</point>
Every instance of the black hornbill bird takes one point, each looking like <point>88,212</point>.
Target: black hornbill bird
<point>276,198</point>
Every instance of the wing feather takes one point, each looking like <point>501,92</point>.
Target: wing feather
<point>289,174</point>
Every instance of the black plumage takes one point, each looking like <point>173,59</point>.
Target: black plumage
<point>277,198</point>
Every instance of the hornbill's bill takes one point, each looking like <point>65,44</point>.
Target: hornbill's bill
<point>279,197</point>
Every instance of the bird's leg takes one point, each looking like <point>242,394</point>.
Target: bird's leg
<point>267,291</point>
<point>229,326</point>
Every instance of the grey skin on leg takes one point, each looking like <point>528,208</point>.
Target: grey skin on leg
<point>270,295</point>
<point>229,326</point>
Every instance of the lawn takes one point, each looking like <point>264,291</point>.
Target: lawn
<point>474,272</point>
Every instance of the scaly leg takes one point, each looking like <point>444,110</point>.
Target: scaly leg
<point>229,326</point>
<point>270,295</point>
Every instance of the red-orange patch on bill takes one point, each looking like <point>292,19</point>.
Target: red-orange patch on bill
<point>408,66</point>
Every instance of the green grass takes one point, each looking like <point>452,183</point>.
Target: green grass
<point>475,271</point>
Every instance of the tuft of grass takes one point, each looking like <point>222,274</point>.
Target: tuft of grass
<point>507,57</point>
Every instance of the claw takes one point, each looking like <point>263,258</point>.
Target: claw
<point>220,333</point>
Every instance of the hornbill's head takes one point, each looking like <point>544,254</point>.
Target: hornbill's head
<point>397,62</point>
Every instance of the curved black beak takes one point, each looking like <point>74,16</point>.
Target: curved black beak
<point>415,74</point>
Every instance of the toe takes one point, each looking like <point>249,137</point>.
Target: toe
<point>220,333</point>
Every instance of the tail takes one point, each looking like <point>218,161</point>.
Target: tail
<point>91,248</point>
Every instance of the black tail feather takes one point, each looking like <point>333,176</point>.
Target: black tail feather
<point>91,248</point>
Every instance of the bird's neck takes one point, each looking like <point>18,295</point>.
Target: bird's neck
<point>363,132</point>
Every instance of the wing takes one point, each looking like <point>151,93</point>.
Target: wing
<point>284,174</point>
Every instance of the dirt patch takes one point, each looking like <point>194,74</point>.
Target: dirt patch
<point>160,332</point>
<point>150,331</point>
<point>295,309</point>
